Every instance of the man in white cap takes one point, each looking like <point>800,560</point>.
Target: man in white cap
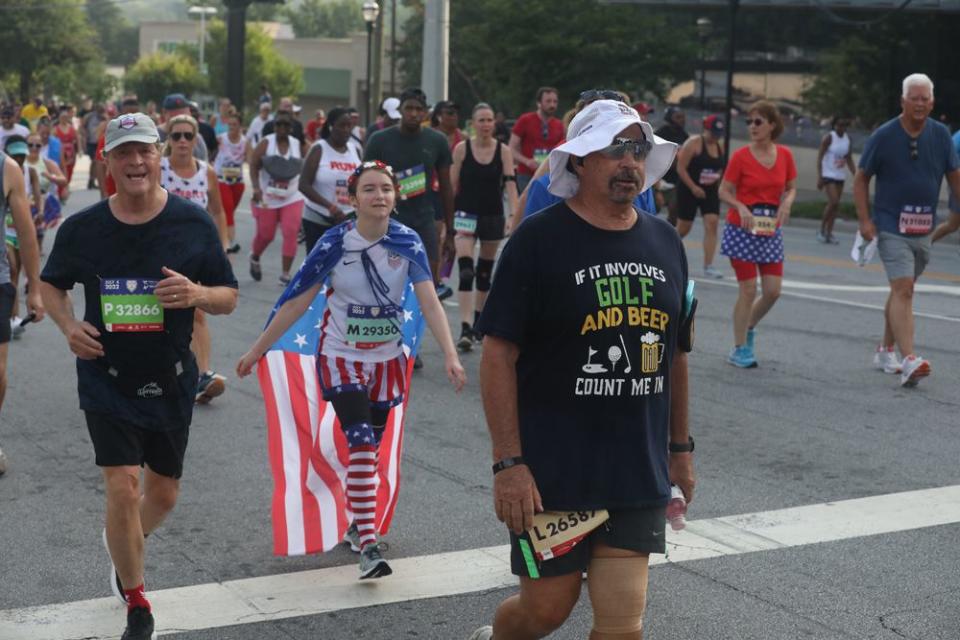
<point>584,382</point>
<point>140,256</point>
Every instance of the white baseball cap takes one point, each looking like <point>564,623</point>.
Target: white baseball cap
<point>132,127</point>
<point>595,128</point>
<point>392,108</point>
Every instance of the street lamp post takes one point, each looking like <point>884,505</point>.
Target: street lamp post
<point>370,12</point>
<point>703,31</point>
<point>203,12</point>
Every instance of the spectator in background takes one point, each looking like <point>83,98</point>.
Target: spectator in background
<point>501,131</point>
<point>286,104</point>
<point>535,134</point>
<point>673,129</point>
<point>33,111</point>
<point>255,130</point>
<point>314,126</point>
<point>207,133</point>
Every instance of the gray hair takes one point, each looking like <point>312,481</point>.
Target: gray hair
<point>917,80</point>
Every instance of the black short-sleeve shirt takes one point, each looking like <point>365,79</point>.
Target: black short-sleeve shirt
<point>93,246</point>
<point>595,314</point>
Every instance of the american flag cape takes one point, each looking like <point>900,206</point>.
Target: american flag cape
<point>307,449</point>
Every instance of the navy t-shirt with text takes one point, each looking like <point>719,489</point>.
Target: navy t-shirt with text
<point>93,246</point>
<point>908,188</point>
<point>595,314</point>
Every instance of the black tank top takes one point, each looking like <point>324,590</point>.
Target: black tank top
<point>481,185</point>
<point>704,169</point>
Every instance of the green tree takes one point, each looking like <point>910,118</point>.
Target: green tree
<point>262,64</point>
<point>850,82</point>
<point>155,76</point>
<point>117,38</point>
<point>41,34</point>
<point>325,18</point>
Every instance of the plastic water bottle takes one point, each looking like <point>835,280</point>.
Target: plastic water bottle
<point>677,509</point>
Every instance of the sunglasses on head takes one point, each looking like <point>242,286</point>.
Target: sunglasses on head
<point>177,136</point>
<point>755,121</point>
<point>621,146</point>
<point>601,94</point>
<point>914,149</point>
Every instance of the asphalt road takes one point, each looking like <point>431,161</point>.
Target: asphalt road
<point>814,424</point>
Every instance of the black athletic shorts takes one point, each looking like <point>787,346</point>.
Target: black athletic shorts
<point>7,293</point>
<point>640,530</point>
<point>119,443</point>
<point>687,203</point>
<point>489,228</point>
<point>833,181</point>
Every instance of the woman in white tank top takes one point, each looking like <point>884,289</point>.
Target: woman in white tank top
<point>331,161</point>
<point>833,161</point>
<point>231,153</point>
<point>183,175</point>
<point>275,175</point>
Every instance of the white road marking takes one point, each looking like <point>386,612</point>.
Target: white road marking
<point>846,303</point>
<point>305,593</point>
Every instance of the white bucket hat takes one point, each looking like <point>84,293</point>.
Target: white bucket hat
<point>595,128</point>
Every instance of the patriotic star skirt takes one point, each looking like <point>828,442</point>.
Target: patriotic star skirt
<point>743,245</point>
<point>383,382</point>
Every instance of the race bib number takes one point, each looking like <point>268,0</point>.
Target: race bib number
<point>764,221</point>
<point>130,305</point>
<point>555,533</point>
<point>541,155</point>
<point>341,193</point>
<point>465,223</point>
<point>709,176</point>
<point>278,189</point>
<point>231,172</point>
<point>839,162</point>
<point>369,327</point>
<point>916,220</point>
<point>413,182</point>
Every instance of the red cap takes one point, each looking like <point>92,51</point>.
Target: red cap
<point>643,108</point>
<point>713,123</point>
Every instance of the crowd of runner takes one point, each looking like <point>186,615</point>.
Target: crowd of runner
<point>385,212</point>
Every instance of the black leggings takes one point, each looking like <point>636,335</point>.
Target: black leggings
<point>353,408</point>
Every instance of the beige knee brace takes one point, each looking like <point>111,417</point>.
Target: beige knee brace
<point>618,594</point>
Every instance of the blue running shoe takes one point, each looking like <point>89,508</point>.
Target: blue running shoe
<point>742,357</point>
<point>751,335</point>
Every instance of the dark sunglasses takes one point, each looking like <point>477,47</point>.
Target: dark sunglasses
<point>914,149</point>
<point>282,123</point>
<point>601,94</point>
<point>755,121</point>
<point>34,145</point>
<point>177,136</point>
<point>450,112</point>
<point>544,130</point>
<point>621,146</point>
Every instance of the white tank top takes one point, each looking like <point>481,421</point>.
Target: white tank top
<point>280,194</point>
<point>834,163</point>
<point>331,180</point>
<point>195,189</point>
<point>230,157</point>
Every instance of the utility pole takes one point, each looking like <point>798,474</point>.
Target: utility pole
<point>436,50</point>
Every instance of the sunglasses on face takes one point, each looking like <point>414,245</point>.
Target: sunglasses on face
<point>282,124</point>
<point>914,149</point>
<point>600,94</point>
<point>34,145</point>
<point>177,136</point>
<point>756,122</point>
<point>621,146</point>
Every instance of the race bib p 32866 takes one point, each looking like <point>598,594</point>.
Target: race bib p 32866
<point>130,305</point>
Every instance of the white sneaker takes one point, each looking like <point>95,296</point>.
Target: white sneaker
<point>712,272</point>
<point>483,633</point>
<point>914,368</point>
<point>115,585</point>
<point>886,360</point>
<point>15,329</point>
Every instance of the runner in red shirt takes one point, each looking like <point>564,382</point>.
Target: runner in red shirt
<point>759,184</point>
<point>67,135</point>
<point>314,126</point>
<point>535,134</point>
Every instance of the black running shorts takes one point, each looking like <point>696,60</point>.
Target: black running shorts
<point>118,443</point>
<point>7,293</point>
<point>687,203</point>
<point>640,530</point>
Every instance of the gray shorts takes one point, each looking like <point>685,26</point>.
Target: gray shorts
<point>903,256</point>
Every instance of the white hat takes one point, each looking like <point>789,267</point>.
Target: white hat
<point>133,127</point>
<point>392,108</point>
<point>595,128</point>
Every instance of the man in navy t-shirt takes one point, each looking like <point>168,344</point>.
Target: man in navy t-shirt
<point>584,381</point>
<point>140,256</point>
<point>909,155</point>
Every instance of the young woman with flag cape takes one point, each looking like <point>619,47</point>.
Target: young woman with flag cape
<point>343,335</point>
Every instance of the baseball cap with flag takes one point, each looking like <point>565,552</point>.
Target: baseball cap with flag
<point>132,127</point>
<point>595,128</point>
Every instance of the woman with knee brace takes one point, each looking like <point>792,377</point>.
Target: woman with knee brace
<point>481,167</point>
<point>366,266</point>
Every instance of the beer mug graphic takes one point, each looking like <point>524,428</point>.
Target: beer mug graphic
<point>651,352</point>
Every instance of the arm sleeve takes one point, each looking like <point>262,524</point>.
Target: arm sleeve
<point>508,310</point>
<point>518,127</point>
<point>953,160</point>
<point>215,270</point>
<point>417,274</point>
<point>538,198</point>
<point>646,203</point>
<point>444,157</point>
<point>870,160</point>
<point>372,150</point>
<point>732,172</point>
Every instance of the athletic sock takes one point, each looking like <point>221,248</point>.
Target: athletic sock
<point>136,598</point>
<point>476,318</point>
<point>362,482</point>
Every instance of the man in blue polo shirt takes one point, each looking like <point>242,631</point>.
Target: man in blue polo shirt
<point>910,155</point>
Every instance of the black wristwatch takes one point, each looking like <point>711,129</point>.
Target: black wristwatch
<point>506,463</point>
<point>682,448</point>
